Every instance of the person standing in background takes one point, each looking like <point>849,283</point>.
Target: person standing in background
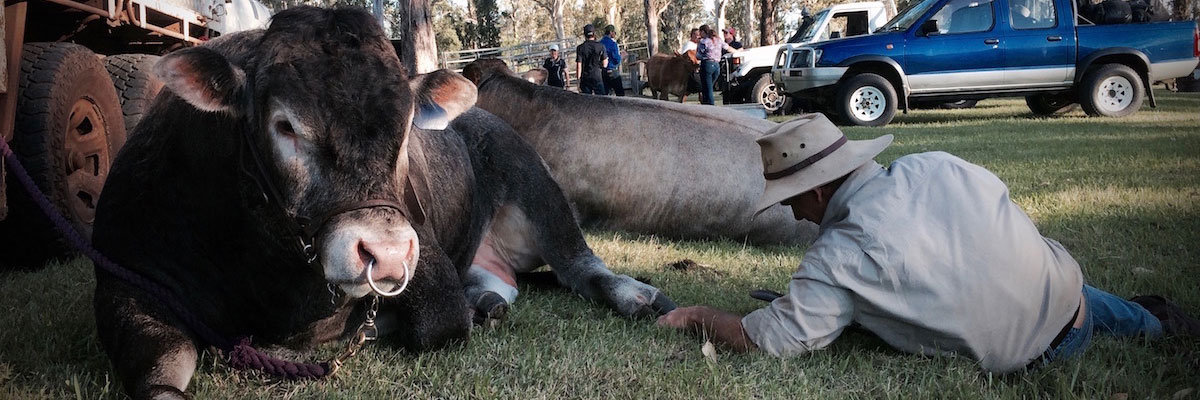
<point>708,51</point>
<point>556,69</point>
<point>731,39</point>
<point>590,62</point>
<point>690,44</point>
<point>612,71</point>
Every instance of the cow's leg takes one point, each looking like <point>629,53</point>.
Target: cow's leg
<point>555,237</point>
<point>507,247</point>
<point>432,312</point>
<point>150,351</point>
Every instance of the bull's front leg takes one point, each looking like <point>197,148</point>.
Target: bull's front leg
<point>432,312</point>
<point>530,240</point>
<point>153,355</point>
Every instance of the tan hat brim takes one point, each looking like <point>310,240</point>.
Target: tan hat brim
<point>842,161</point>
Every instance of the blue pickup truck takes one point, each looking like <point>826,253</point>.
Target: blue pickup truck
<point>956,50</point>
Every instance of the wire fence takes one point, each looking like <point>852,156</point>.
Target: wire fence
<point>528,56</point>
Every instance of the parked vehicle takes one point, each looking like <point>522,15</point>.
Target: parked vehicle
<point>65,111</point>
<point>952,50</point>
<point>748,73</point>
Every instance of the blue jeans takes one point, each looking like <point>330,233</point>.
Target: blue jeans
<point>1106,314</point>
<point>709,70</point>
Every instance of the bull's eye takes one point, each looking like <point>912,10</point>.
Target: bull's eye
<point>283,127</point>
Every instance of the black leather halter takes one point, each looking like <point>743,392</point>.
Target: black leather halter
<point>305,227</point>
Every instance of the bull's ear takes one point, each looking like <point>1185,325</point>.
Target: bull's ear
<point>442,95</point>
<point>202,77</point>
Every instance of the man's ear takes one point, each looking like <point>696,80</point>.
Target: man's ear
<point>441,96</point>
<point>203,78</point>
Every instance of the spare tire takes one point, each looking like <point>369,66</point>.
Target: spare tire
<point>69,127</point>
<point>132,75</point>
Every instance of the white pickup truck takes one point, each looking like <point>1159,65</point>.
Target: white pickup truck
<point>748,73</point>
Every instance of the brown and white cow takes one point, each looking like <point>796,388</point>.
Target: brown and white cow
<point>677,170</point>
<point>282,165</point>
<point>669,74</point>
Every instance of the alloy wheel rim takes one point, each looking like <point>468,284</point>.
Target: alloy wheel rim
<point>867,103</point>
<point>1115,94</point>
<point>772,99</point>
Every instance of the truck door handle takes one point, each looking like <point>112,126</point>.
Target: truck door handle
<point>1054,38</point>
<point>991,41</point>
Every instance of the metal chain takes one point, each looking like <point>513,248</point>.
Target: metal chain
<point>366,332</point>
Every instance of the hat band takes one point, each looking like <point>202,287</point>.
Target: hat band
<point>807,161</point>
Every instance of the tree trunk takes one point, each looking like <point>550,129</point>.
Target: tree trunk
<point>653,9</point>
<point>651,27</point>
<point>720,11</point>
<point>418,46</point>
<point>766,30</point>
<point>555,8</point>
<point>889,7</point>
<point>748,30</point>
<point>556,18</point>
<point>613,14</point>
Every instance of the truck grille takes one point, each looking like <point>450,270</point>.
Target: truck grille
<point>801,59</point>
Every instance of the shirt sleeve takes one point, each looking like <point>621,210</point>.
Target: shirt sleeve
<point>809,317</point>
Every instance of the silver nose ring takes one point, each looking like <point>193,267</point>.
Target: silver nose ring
<point>371,280</point>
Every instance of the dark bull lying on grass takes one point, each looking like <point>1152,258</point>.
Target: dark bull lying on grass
<point>677,170</point>
<point>268,142</point>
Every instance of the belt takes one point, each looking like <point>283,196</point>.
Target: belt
<point>1062,334</point>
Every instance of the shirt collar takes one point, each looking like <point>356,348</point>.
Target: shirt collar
<point>837,208</point>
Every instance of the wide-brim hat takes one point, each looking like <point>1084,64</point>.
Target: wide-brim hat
<point>809,151</point>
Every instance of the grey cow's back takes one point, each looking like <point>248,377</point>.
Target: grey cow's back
<point>681,171</point>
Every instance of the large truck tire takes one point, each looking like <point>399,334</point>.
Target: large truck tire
<point>866,100</point>
<point>1113,90</point>
<point>69,127</point>
<point>133,77</point>
<point>767,93</point>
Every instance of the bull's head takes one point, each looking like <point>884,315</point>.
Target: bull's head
<point>326,108</point>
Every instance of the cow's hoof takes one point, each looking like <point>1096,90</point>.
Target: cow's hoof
<point>635,299</point>
<point>490,306</point>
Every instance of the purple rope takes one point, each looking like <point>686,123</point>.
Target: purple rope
<point>241,354</point>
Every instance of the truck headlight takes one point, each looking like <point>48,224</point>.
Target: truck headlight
<point>816,57</point>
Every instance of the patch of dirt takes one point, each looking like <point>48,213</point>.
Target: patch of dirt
<point>687,265</point>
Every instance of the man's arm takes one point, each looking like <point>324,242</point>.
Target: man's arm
<point>722,327</point>
<point>578,70</point>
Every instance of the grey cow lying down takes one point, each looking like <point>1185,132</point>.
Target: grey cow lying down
<point>283,164</point>
<point>678,170</point>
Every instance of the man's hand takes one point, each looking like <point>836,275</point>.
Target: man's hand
<point>721,327</point>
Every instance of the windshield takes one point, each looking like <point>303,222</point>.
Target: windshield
<point>809,29</point>
<point>906,17</point>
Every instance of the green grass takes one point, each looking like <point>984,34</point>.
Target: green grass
<point>1121,194</point>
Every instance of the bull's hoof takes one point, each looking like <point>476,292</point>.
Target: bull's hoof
<point>632,298</point>
<point>490,306</point>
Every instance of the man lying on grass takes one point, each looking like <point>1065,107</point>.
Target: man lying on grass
<point>930,254</point>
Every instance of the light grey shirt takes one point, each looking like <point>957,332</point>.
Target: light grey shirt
<point>932,256</point>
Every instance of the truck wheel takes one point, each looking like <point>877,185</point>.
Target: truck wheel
<point>136,84</point>
<point>1047,104</point>
<point>866,100</point>
<point>767,93</point>
<point>1113,90</point>
<point>68,128</point>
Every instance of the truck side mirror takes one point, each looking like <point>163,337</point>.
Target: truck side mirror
<point>928,28</point>
<point>835,35</point>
